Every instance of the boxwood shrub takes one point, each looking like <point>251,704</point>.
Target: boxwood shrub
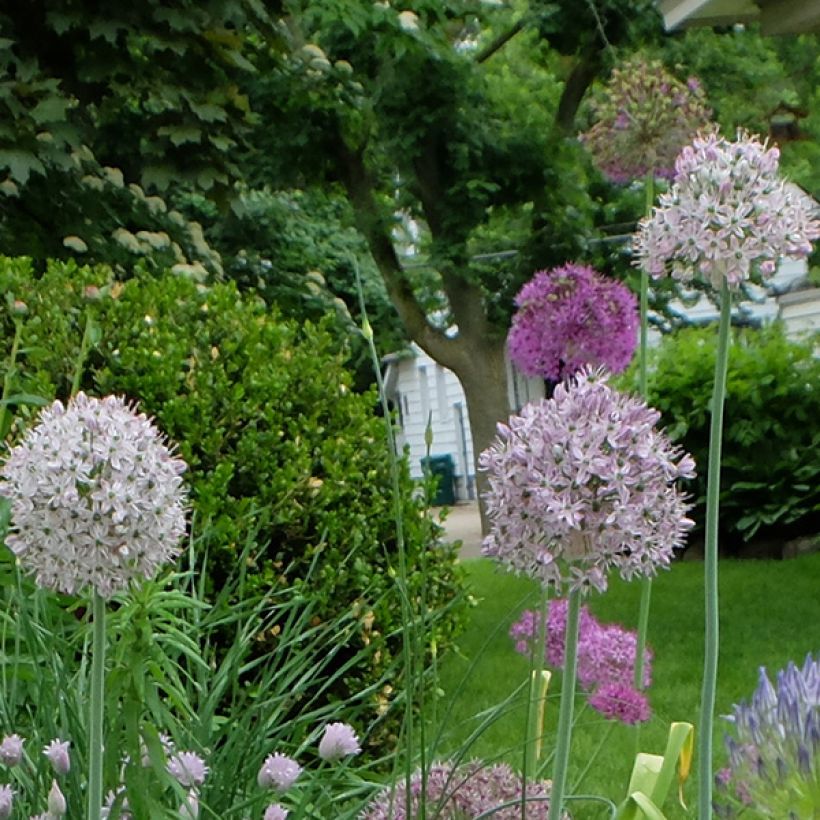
<point>770,477</point>
<point>264,415</point>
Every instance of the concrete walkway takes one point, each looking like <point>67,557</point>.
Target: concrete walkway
<point>463,523</point>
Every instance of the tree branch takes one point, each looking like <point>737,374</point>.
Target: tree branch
<point>579,80</point>
<point>500,41</point>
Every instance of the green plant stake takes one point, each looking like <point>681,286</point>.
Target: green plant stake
<point>707,708</point>
<point>96,710</point>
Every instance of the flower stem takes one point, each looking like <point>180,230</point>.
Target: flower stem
<point>707,704</point>
<point>85,346</point>
<point>95,721</point>
<point>8,379</point>
<point>559,775</point>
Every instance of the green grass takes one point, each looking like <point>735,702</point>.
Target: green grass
<point>769,616</point>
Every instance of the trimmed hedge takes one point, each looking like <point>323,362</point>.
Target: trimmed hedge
<point>263,413</point>
<point>770,476</point>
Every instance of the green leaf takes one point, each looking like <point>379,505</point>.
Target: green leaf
<point>20,164</point>
<point>25,398</point>
<point>208,112</point>
<point>180,134</point>
<point>50,109</point>
<point>157,176</point>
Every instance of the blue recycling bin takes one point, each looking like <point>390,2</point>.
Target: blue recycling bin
<point>443,469</point>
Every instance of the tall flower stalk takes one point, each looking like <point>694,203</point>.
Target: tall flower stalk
<point>727,217</point>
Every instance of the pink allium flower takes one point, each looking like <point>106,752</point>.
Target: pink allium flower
<point>642,119</point>
<point>276,812</point>
<point>57,754</point>
<point>338,741</point>
<point>609,655</point>
<point>11,750</point>
<point>96,497</point>
<point>467,790</point>
<point>278,772</point>
<point>727,215</point>
<point>187,768</point>
<point>583,483</point>
<point>620,702</point>
<point>570,317</point>
<point>6,801</point>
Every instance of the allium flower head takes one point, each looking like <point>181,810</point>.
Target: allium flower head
<point>96,497</point>
<point>187,768</point>
<point>467,790</point>
<point>6,801</point>
<point>727,215</point>
<point>276,812</point>
<point>338,741</point>
<point>619,702</point>
<point>570,317</point>
<point>583,483</point>
<point>642,120</point>
<point>57,754</point>
<point>278,772</point>
<point>774,748</point>
<point>11,750</point>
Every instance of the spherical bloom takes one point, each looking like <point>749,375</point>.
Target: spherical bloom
<point>459,791</point>
<point>6,801</point>
<point>338,741</point>
<point>96,497</point>
<point>583,483</point>
<point>276,812</point>
<point>187,768</point>
<point>11,750</point>
<point>619,702</point>
<point>57,754</point>
<point>774,748</point>
<point>278,772</point>
<point>642,119</point>
<point>727,215</point>
<point>609,656</point>
<point>569,317</point>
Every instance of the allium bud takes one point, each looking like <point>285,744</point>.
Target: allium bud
<point>571,317</point>
<point>278,772</point>
<point>96,497</point>
<point>189,810</point>
<point>276,812</point>
<point>728,215</point>
<point>11,750</point>
<point>338,741</point>
<point>6,801</point>
<point>57,754</point>
<point>583,483</point>
<point>56,801</point>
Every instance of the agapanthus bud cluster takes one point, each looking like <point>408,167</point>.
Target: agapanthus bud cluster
<point>642,119</point>
<point>570,317</point>
<point>583,483</point>
<point>774,748</point>
<point>96,497</point>
<point>606,659</point>
<point>456,791</point>
<point>728,215</point>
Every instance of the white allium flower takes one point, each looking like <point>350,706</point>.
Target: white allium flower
<point>187,768</point>
<point>338,741</point>
<point>96,497</point>
<point>56,801</point>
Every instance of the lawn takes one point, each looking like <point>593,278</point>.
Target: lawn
<point>770,611</point>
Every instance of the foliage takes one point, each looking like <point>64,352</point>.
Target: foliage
<point>771,458</point>
<point>265,419</point>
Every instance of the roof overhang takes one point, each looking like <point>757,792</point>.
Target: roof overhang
<point>774,16</point>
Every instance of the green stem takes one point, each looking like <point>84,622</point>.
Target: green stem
<point>534,731</point>
<point>8,379</point>
<point>707,704</point>
<point>85,346</point>
<point>95,721</point>
<point>561,765</point>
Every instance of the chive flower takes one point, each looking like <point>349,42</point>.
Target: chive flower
<point>583,483</point>
<point>728,214</point>
<point>570,317</point>
<point>642,119</point>
<point>338,741</point>
<point>11,750</point>
<point>278,772</point>
<point>96,497</point>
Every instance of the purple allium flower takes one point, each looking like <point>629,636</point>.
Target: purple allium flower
<point>187,768</point>
<point>609,655</point>
<point>728,214</point>
<point>454,792</point>
<point>619,702</point>
<point>642,120</point>
<point>56,801</point>
<point>582,483</point>
<point>570,317</point>
<point>278,772</point>
<point>276,812</point>
<point>96,497</point>
<point>11,750</point>
<point>6,801</point>
<point>774,749</point>
<point>338,741</point>
<point>57,754</point>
